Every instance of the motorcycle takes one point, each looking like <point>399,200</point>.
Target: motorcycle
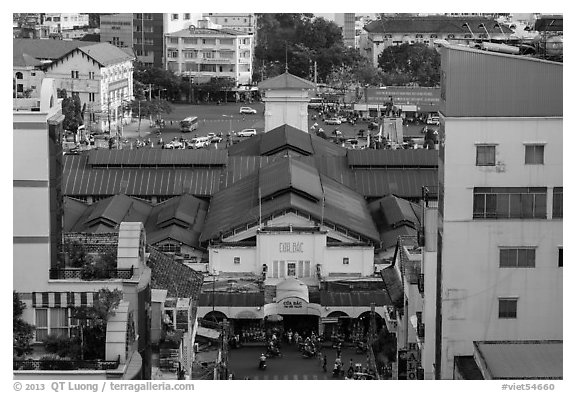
<point>273,352</point>
<point>262,364</point>
<point>337,371</point>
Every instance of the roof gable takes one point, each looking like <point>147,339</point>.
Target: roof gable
<point>285,81</point>
<point>436,24</point>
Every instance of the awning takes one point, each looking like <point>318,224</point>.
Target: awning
<point>409,108</point>
<point>247,314</point>
<point>208,333</point>
<point>292,306</point>
<point>63,299</point>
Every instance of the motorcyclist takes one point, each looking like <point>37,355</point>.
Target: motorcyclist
<point>262,364</point>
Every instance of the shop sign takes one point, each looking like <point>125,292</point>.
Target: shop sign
<point>291,247</point>
<point>297,303</point>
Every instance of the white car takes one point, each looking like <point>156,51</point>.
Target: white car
<point>333,121</point>
<point>174,145</point>
<point>433,120</point>
<point>246,110</point>
<point>247,132</point>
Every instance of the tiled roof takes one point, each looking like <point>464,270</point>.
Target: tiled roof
<point>434,24</point>
<point>180,280</point>
<point>102,52</point>
<point>286,81</point>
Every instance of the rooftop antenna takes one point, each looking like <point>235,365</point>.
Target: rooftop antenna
<point>286,51</point>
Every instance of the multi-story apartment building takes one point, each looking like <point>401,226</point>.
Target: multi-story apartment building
<point>204,53</point>
<point>500,247</point>
<point>398,30</point>
<point>60,22</point>
<point>347,22</point>
<point>242,22</point>
<point>98,73</point>
<point>143,32</point>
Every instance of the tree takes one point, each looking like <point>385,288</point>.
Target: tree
<point>411,63</point>
<point>93,321</point>
<point>72,111</point>
<point>23,332</point>
<point>150,81</point>
<point>152,109</point>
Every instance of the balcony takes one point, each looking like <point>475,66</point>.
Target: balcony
<point>88,275</point>
<point>64,364</point>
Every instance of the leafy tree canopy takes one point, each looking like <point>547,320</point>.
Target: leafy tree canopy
<point>72,110</point>
<point>22,330</point>
<point>411,64</point>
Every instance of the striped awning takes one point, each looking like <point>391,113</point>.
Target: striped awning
<point>63,299</point>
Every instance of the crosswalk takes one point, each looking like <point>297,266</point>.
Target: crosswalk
<point>290,377</point>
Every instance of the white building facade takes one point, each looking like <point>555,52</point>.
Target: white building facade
<point>102,77</point>
<point>202,53</point>
<point>68,21</point>
<point>500,203</point>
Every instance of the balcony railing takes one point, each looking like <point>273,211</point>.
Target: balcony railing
<point>65,364</point>
<point>78,274</point>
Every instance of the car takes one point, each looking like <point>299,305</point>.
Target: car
<point>247,132</point>
<point>246,110</point>
<point>333,121</point>
<point>433,120</point>
<point>174,145</point>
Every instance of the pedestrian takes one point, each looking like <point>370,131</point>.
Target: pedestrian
<point>324,362</point>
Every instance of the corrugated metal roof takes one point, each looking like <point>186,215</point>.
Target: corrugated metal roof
<point>435,24</point>
<point>283,136</point>
<point>157,157</point>
<point>106,53</point>
<point>238,204</point>
<point>231,299</point>
<point>393,286</point>
<point>286,81</point>
<point>467,367</point>
<point>488,84</point>
<point>542,359</point>
<point>113,209</point>
<point>354,299</point>
<point>44,49</point>
<point>405,183</point>
<point>406,158</point>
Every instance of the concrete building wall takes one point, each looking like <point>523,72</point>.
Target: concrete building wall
<point>472,279</point>
<point>286,107</point>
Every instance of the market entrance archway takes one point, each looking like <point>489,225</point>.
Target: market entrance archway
<point>215,316</point>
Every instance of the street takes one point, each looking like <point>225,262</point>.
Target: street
<point>243,363</point>
<point>225,118</point>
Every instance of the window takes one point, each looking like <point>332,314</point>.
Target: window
<point>534,155</point>
<point>182,320</point>
<point>75,74</point>
<point>91,97</point>
<point>41,324</point>
<point>169,247</point>
<point>173,54</point>
<point>507,308</point>
<point>345,261</point>
<point>19,75</point>
<point>236,260</point>
<point>174,16</point>
<point>90,74</point>
<point>485,155</point>
<point>518,257</point>
<point>186,16</point>
<point>291,269</point>
<point>173,40</point>
<point>560,256</point>
<point>509,202</point>
<point>557,202</point>
<point>53,321</point>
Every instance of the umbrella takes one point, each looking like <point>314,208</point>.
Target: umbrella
<point>274,318</point>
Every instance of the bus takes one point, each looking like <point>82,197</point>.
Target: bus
<point>189,124</point>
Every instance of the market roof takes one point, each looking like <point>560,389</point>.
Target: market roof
<point>297,186</point>
<point>286,81</point>
<point>180,280</point>
<point>140,158</point>
<point>528,359</point>
<point>282,138</point>
<point>395,217</point>
<point>435,24</point>
<point>232,299</point>
<point>389,158</point>
<point>354,299</point>
<point>179,218</point>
